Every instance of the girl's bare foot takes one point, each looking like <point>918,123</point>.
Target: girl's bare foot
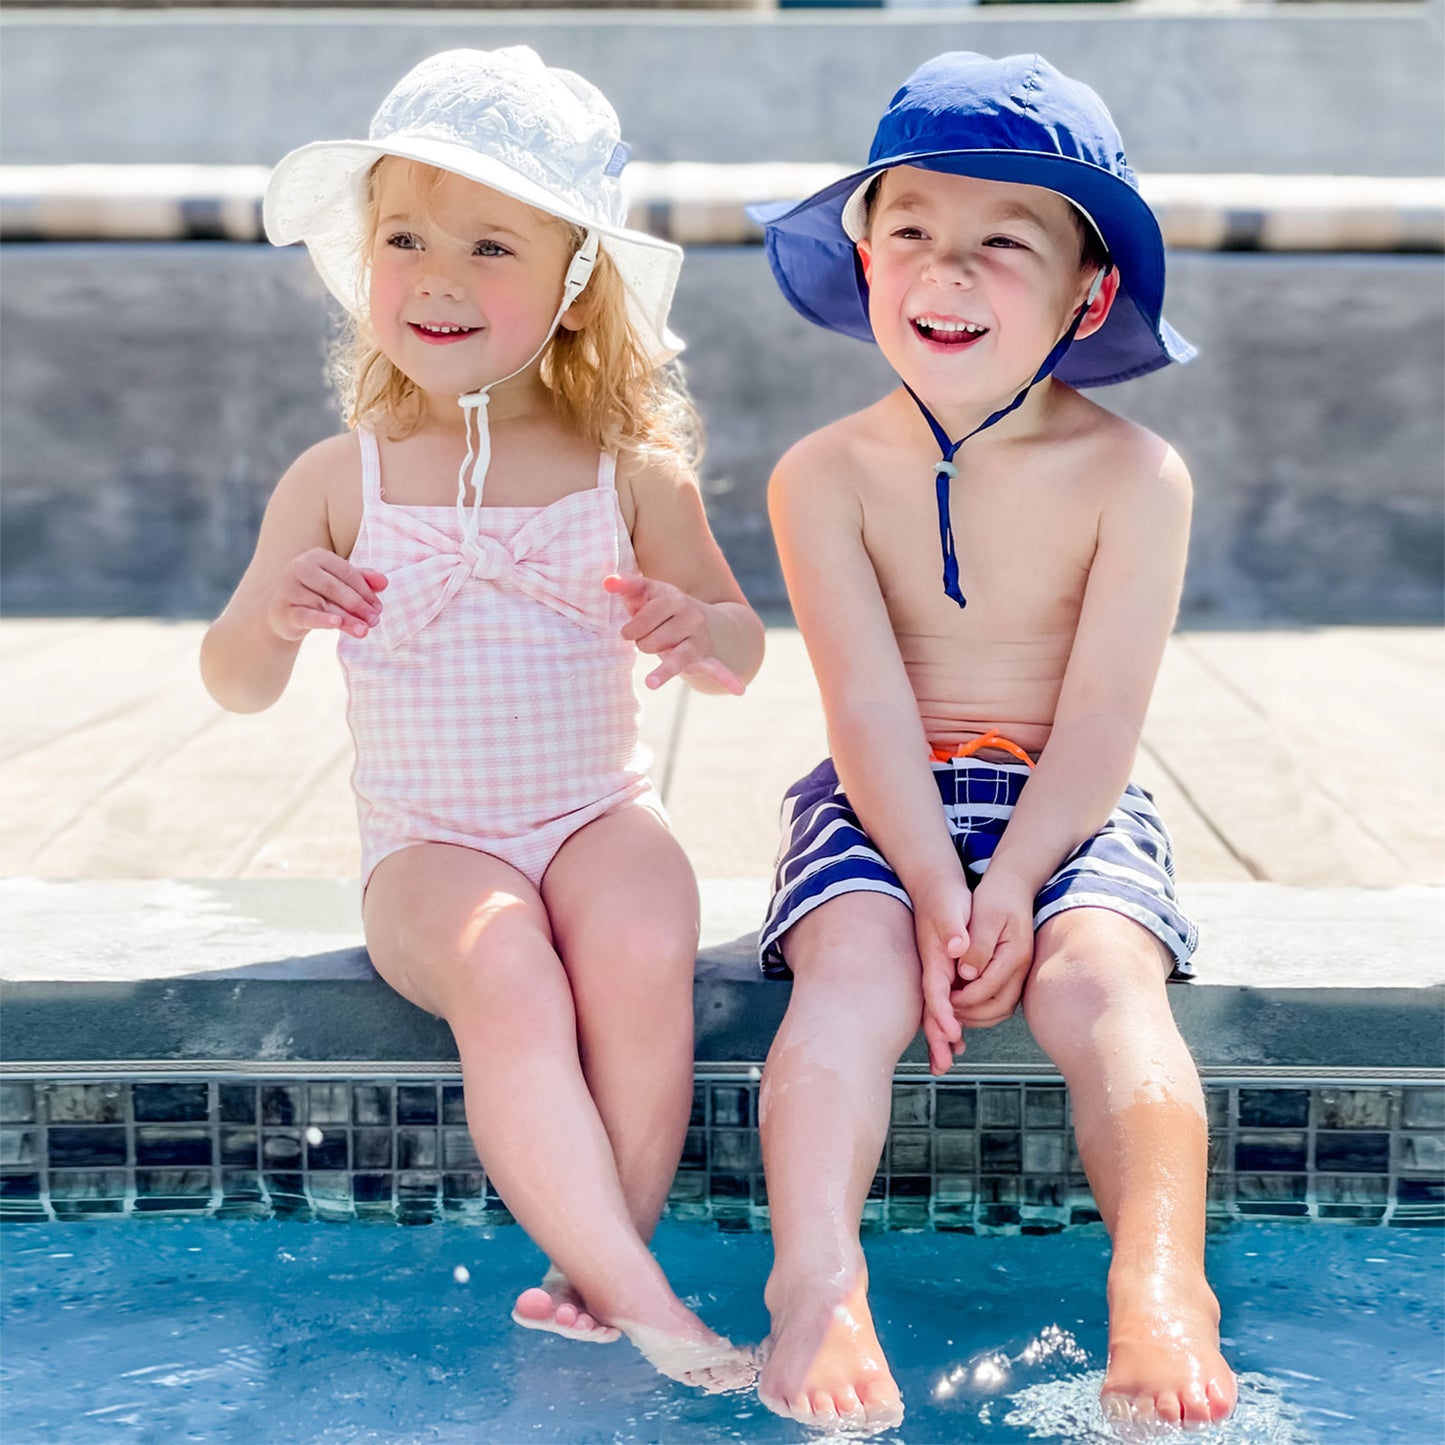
<point>556,1307</point>
<point>822,1363</point>
<point>687,1351</point>
<point>1165,1370</point>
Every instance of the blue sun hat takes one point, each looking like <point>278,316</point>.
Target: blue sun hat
<point>1017,120</point>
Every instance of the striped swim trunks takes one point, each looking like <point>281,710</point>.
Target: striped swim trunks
<point>1126,867</point>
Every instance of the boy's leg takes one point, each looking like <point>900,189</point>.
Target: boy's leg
<point>824,1109</point>
<point>1095,1001</point>
<point>624,911</point>
<point>467,937</point>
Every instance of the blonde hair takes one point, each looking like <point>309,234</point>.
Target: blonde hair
<point>602,382</point>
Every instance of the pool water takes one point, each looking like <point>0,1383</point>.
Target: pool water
<point>271,1332</point>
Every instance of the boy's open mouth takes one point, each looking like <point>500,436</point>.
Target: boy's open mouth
<point>948,334</point>
<point>440,333</point>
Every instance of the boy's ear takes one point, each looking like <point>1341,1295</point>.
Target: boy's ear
<point>865,258</point>
<point>1103,303</point>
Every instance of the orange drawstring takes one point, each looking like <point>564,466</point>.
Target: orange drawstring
<point>991,739</point>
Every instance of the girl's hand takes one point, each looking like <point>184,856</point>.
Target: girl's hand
<point>941,922</point>
<point>673,625</point>
<point>1000,951</point>
<point>318,589</point>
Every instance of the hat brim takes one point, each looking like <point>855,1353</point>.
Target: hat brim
<point>813,259</point>
<point>315,195</point>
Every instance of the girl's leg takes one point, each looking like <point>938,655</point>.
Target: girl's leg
<point>824,1110</point>
<point>1096,1003</point>
<point>467,937</point>
<point>624,911</point>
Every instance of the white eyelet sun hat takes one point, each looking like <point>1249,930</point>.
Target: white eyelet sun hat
<point>543,136</point>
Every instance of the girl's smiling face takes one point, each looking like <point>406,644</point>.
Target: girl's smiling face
<point>464,281</point>
<point>971,282</point>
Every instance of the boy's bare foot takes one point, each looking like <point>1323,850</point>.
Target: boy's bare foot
<point>687,1351</point>
<point>1165,1370</point>
<point>556,1307</point>
<point>822,1363</point>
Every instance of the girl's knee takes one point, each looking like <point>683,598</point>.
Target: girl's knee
<point>508,985</point>
<point>641,965</point>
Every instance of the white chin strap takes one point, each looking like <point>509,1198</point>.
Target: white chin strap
<point>474,403</point>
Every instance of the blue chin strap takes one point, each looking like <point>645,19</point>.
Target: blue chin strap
<point>945,470</point>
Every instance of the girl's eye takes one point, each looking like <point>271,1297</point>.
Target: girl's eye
<point>490,248</point>
<point>403,241</point>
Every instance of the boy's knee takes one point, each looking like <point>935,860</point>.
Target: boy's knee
<point>1087,962</point>
<point>856,957</point>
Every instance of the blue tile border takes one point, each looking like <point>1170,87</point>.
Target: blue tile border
<point>982,1155</point>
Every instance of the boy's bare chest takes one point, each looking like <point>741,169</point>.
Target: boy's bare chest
<point>1024,549</point>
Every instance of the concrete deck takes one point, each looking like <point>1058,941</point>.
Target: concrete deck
<point>270,976</point>
<point>185,896</point>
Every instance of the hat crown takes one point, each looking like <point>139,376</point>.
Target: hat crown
<point>960,101</point>
<point>548,125</point>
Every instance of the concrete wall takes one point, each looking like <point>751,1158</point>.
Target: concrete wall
<point>150,396</point>
<point>1322,88</point>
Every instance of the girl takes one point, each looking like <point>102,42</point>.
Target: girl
<point>512,514</point>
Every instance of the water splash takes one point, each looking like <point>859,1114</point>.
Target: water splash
<point>1070,1409</point>
<point>992,1371</point>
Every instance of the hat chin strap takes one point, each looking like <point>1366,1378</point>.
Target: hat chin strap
<point>474,403</point>
<point>945,470</point>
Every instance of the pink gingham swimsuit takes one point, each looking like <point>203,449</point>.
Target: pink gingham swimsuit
<point>493,705</point>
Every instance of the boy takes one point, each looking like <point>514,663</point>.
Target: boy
<point>994,247</point>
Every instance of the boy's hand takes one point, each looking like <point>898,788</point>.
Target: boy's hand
<point>1000,950</point>
<point>319,589</point>
<point>673,625</point>
<point>941,922</point>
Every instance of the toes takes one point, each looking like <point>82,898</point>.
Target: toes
<point>789,1408</point>
<point>775,1403</point>
<point>1221,1400</point>
<point>1194,1408</point>
<point>538,1309</point>
<point>1167,1409</point>
<point>825,1412</point>
<point>1143,1419</point>
<point>848,1405</point>
<point>534,1304</point>
<point>1130,1419</point>
<point>800,1409</point>
<point>881,1402</point>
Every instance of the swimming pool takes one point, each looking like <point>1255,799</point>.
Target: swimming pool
<point>270,1331</point>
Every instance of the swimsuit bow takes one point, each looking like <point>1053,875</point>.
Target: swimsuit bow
<point>537,562</point>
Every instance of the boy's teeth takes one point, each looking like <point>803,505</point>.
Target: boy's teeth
<point>951,326</point>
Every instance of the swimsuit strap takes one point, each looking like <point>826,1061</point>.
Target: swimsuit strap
<point>991,739</point>
<point>370,465</point>
<point>607,473</point>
